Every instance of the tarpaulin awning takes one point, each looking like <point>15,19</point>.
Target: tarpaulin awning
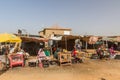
<point>93,39</point>
<point>112,39</point>
<point>6,37</point>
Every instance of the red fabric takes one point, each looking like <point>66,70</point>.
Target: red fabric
<point>112,51</point>
<point>74,52</point>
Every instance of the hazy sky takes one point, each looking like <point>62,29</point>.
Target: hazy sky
<point>94,17</point>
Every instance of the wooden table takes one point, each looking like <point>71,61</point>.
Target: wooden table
<point>64,58</point>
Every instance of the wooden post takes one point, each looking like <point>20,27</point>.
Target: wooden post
<point>86,46</point>
<point>6,55</point>
<point>51,50</point>
<point>66,42</point>
<point>86,43</point>
<point>106,44</point>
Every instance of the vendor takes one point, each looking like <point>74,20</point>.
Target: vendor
<point>74,52</point>
<point>100,51</point>
<point>41,55</point>
<point>112,52</point>
<point>47,52</point>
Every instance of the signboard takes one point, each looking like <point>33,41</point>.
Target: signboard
<point>56,38</point>
<point>66,32</point>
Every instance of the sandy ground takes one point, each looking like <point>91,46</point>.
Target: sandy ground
<point>89,70</point>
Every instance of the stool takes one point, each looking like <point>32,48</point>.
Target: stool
<point>45,63</point>
<point>32,63</point>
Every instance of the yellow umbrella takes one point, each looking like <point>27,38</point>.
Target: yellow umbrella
<point>5,37</point>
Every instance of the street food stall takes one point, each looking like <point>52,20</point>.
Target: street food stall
<point>16,59</point>
<point>11,38</point>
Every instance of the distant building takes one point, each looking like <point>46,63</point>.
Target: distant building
<point>46,32</point>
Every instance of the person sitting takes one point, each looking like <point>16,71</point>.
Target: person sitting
<point>56,53</point>
<point>41,57</point>
<point>12,50</point>
<point>47,52</point>
<point>21,51</point>
<point>74,52</point>
<point>41,54</point>
<point>112,52</point>
<point>76,58</point>
<point>100,52</point>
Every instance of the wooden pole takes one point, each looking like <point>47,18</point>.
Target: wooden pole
<point>86,43</point>
<point>86,46</point>
<point>6,55</point>
<point>66,42</point>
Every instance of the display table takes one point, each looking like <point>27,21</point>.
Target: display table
<point>64,58</point>
<point>16,59</point>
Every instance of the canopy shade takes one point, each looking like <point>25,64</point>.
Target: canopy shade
<point>5,37</point>
<point>112,38</point>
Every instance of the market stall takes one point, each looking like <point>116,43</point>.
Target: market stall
<point>11,38</point>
